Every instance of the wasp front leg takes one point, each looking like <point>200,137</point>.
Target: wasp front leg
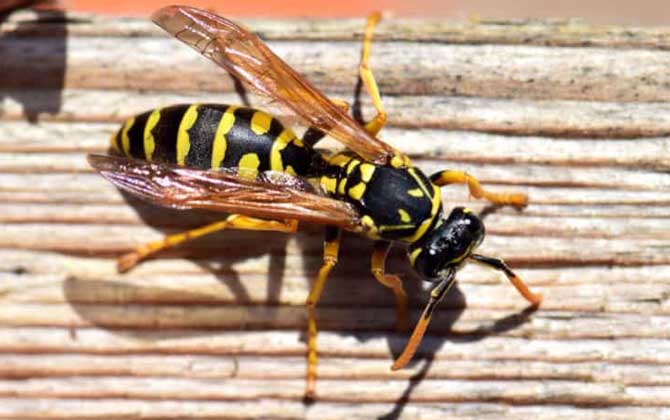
<point>521,287</point>
<point>331,248</point>
<point>234,221</point>
<point>377,263</point>
<point>458,177</point>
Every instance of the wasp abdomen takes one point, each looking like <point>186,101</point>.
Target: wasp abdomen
<point>212,136</point>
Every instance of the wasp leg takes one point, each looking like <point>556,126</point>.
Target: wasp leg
<point>458,177</point>
<point>377,123</point>
<point>520,286</point>
<point>436,296</point>
<point>234,221</point>
<point>391,281</point>
<point>331,248</point>
<point>343,105</point>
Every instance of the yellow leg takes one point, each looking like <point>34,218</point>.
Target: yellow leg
<point>476,190</point>
<point>343,105</point>
<point>378,261</point>
<point>436,296</point>
<point>331,247</point>
<point>234,221</point>
<point>377,123</point>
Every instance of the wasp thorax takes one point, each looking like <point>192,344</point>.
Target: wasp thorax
<point>447,245</point>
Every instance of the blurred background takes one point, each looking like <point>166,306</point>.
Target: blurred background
<point>640,12</point>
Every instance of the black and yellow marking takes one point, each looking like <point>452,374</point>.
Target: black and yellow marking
<point>151,135</point>
<point>149,140</point>
<point>416,192</point>
<point>183,135</point>
<point>125,137</point>
<point>404,216</point>
<point>329,184</point>
<point>212,136</point>
<point>352,165</point>
<point>332,181</point>
<point>416,201</point>
<point>248,165</point>
<point>430,193</point>
<point>414,254</point>
<point>220,144</point>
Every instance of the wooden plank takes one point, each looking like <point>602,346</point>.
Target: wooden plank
<point>494,71</point>
<point>574,115</point>
<point>569,326</point>
<point>453,391</point>
<point>123,408</point>
<point>259,367</point>
<point>361,345</point>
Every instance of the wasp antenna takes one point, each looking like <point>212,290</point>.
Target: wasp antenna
<point>417,335</point>
<point>521,287</point>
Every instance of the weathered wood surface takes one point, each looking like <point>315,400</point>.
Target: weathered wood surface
<point>577,116</point>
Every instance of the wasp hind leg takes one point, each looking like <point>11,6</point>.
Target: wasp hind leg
<point>331,249</point>
<point>234,221</point>
<point>377,263</point>
<point>378,122</point>
<point>458,177</point>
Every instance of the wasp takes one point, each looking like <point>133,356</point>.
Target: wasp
<point>247,164</point>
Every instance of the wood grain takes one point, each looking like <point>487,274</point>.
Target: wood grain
<point>576,116</point>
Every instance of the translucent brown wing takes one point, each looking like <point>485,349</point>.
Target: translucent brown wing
<point>271,195</point>
<point>246,57</point>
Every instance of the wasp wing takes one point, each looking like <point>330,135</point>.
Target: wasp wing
<point>269,195</point>
<point>247,58</point>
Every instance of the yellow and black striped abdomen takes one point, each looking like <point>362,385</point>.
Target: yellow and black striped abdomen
<point>212,136</point>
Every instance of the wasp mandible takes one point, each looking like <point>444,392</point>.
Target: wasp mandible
<point>246,163</point>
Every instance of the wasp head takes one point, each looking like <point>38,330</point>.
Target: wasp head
<point>444,249</point>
